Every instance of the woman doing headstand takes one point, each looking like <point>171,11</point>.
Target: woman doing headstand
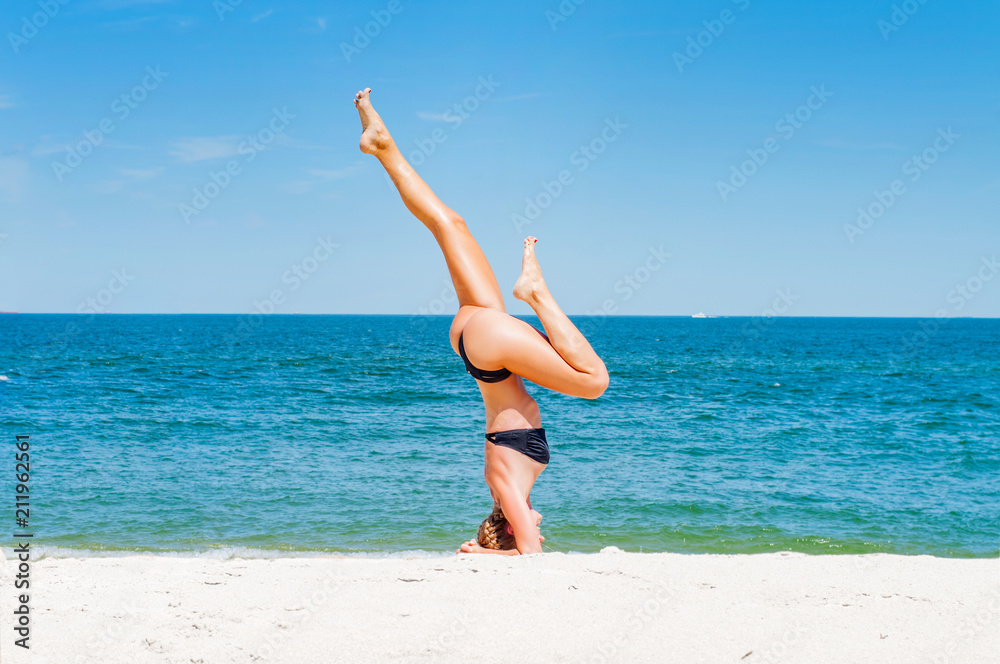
<point>498,350</point>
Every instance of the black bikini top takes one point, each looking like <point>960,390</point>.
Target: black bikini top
<point>492,376</point>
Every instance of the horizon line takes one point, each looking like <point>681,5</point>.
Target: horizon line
<point>708,317</point>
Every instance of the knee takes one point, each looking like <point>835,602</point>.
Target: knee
<point>447,224</point>
<point>448,218</point>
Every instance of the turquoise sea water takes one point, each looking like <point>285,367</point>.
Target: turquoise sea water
<point>364,434</point>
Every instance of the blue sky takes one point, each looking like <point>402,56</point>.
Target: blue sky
<point>713,155</point>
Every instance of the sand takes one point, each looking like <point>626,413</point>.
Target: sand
<point>606,607</point>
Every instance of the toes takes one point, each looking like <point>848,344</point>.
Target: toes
<point>368,91</point>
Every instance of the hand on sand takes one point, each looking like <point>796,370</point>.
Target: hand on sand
<point>472,546</point>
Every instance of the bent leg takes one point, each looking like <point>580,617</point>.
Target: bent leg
<point>494,340</point>
<point>475,283</point>
<point>565,361</point>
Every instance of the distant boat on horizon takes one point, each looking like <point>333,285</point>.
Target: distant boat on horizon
<point>700,315</point>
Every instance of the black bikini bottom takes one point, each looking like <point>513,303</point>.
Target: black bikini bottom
<point>529,442</point>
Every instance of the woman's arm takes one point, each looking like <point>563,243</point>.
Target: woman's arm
<point>522,521</point>
<point>526,534</point>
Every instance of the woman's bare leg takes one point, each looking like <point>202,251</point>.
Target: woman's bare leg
<point>475,283</point>
<point>578,370</point>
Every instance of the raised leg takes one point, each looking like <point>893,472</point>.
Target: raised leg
<point>475,283</point>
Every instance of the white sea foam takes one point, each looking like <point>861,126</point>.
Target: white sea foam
<point>248,553</point>
<point>225,553</point>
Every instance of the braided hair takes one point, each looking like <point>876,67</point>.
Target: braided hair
<point>493,531</point>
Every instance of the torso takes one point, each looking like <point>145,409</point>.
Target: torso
<point>508,406</point>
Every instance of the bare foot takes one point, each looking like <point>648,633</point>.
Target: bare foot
<point>530,284</point>
<point>374,136</point>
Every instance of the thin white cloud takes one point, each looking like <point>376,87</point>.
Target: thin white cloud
<point>261,16</point>
<point>5,102</point>
<point>132,174</point>
<point>644,33</point>
<point>201,148</point>
<point>852,145</point>
<point>54,144</point>
<point>190,150</point>
<point>124,4</point>
<point>433,117</point>
<point>47,146</point>
<point>284,140</point>
<point>254,220</point>
<point>444,117</point>
<point>526,95</point>
<point>335,174</point>
<point>141,173</point>
<point>297,187</point>
<point>129,24</point>
<point>319,25</point>
<point>113,144</point>
<point>13,178</point>
<point>485,141</point>
<point>108,186</point>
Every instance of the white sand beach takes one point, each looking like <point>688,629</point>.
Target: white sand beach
<point>606,607</point>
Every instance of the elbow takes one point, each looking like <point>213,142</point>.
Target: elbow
<point>597,385</point>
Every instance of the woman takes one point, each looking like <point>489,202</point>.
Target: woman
<point>498,350</point>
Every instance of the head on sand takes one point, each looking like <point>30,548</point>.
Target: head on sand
<point>495,532</point>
